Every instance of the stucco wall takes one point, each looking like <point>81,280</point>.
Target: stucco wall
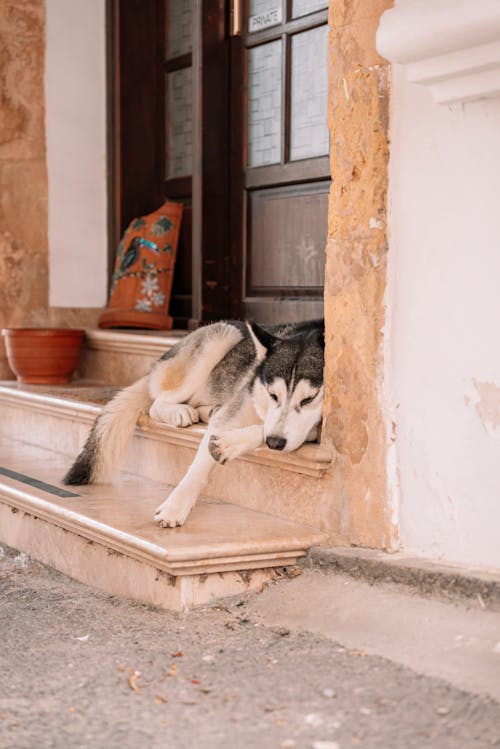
<point>355,279</point>
<point>23,176</point>
<point>443,364</point>
<point>75,94</point>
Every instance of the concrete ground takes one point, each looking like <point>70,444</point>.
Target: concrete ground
<point>307,664</point>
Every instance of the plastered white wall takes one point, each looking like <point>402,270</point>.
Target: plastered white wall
<point>443,303</point>
<point>75,102</point>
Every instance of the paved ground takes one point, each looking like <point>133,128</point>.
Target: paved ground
<point>82,669</point>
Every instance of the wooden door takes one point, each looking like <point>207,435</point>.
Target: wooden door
<point>234,126</point>
<point>280,174</point>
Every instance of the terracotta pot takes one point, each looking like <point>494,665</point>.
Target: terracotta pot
<point>43,356</point>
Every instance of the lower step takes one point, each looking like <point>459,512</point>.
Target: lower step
<point>105,536</point>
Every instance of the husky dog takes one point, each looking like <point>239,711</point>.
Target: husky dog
<point>252,386</point>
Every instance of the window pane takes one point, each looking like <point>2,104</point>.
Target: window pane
<point>179,27</point>
<point>309,131</point>
<point>262,14</point>
<point>264,104</point>
<point>303,7</point>
<point>179,121</point>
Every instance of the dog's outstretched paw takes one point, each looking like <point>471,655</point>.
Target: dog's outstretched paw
<point>174,511</point>
<point>216,449</point>
<point>225,447</point>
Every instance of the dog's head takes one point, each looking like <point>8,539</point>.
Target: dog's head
<point>288,388</point>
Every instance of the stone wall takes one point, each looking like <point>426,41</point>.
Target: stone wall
<point>356,274</point>
<point>23,176</point>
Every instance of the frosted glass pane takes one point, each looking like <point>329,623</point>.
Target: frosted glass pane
<point>309,131</point>
<point>264,104</point>
<point>303,7</point>
<point>179,123</point>
<point>255,7</point>
<point>262,14</point>
<point>179,27</point>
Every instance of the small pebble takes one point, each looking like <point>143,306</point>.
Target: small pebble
<point>442,710</point>
<point>313,719</point>
<point>288,744</point>
<point>330,693</point>
<point>281,631</point>
<point>324,745</point>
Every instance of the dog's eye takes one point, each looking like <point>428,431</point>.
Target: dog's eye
<point>306,401</point>
<point>274,397</point>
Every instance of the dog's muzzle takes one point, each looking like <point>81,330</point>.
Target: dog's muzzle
<point>276,443</point>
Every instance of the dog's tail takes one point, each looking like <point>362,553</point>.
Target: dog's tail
<point>105,447</point>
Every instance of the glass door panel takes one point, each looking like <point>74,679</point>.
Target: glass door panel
<point>284,173</point>
<point>308,128</point>
<point>264,104</point>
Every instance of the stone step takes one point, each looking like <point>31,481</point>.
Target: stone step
<point>293,486</point>
<point>105,536</point>
<point>119,357</point>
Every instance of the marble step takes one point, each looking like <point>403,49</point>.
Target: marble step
<point>119,357</point>
<point>105,536</point>
<point>293,486</point>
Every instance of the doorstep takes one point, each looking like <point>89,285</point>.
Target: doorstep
<point>105,535</point>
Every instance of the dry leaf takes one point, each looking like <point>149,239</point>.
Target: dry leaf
<point>177,655</point>
<point>172,671</point>
<point>133,681</point>
<point>195,681</point>
<point>160,699</point>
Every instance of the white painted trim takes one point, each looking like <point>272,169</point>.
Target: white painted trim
<point>75,120</point>
<point>450,46</point>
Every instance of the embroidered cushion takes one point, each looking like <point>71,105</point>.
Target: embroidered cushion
<point>141,284</point>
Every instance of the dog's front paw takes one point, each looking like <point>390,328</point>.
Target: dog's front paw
<point>175,510</point>
<point>223,448</point>
<point>216,449</point>
<point>174,414</point>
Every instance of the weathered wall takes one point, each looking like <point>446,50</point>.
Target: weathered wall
<point>23,175</point>
<point>356,273</point>
<point>444,271</point>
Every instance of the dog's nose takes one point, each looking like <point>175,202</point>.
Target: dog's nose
<point>276,443</point>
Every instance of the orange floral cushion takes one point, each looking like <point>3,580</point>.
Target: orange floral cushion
<point>142,280</point>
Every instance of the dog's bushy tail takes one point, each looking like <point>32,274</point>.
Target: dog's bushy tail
<point>111,433</point>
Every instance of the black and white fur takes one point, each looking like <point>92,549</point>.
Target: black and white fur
<point>253,386</point>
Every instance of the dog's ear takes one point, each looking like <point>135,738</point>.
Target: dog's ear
<point>267,340</point>
<point>317,336</point>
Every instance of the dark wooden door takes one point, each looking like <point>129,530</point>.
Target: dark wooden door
<point>215,107</point>
<point>280,174</point>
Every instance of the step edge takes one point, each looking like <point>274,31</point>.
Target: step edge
<point>429,577</point>
<point>147,551</point>
<point>129,343</point>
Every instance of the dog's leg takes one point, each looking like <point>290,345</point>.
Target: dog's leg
<point>234,442</point>
<point>182,499</point>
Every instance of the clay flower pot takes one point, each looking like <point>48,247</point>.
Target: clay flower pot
<point>43,356</point>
